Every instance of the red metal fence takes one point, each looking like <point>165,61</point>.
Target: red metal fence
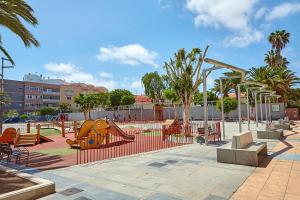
<point>116,146</point>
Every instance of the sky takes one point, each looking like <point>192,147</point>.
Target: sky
<point>114,43</point>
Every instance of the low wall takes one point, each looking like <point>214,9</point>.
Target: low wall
<point>196,113</point>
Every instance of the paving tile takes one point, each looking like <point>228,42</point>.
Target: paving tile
<point>157,164</point>
<point>162,196</point>
<point>291,197</point>
<point>70,191</point>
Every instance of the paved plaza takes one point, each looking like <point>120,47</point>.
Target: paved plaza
<point>185,172</point>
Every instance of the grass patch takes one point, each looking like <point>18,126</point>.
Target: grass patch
<point>57,151</point>
<point>152,133</point>
<point>129,127</point>
<point>48,131</point>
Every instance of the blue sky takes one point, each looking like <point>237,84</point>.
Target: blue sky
<point>113,43</point>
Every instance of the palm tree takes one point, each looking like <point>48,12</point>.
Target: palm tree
<point>280,80</point>
<point>271,59</point>
<point>11,15</point>
<point>225,87</point>
<point>279,39</point>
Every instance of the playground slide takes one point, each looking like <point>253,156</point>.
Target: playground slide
<point>115,130</point>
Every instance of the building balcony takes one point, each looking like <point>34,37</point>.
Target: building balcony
<point>51,100</point>
<point>51,93</point>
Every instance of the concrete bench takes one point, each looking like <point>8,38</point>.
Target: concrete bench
<point>283,125</point>
<point>270,134</point>
<point>242,150</point>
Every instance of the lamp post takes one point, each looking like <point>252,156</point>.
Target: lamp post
<point>222,100</point>
<point>216,65</point>
<point>2,87</point>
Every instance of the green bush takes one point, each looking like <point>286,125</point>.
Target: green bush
<point>24,116</point>
<point>230,104</point>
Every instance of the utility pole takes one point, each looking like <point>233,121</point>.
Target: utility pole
<point>2,88</point>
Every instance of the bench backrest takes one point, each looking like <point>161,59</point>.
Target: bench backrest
<point>242,140</point>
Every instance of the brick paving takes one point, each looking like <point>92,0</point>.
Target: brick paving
<point>278,177</point>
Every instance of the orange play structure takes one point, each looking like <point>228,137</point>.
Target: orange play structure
<point>170,127</point>
<point>93,133</point>
<point>8,135</point>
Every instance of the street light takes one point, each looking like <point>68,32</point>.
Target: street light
<point>216,65</point>
<point>222,100</point>
<point>2,86</point>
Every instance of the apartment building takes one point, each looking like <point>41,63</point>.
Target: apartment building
<point>38,95</point>
<point>71,90</point>
<point>15,92</point>
<point>36,92</point>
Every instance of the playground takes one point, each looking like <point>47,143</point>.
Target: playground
<point>54,146</point>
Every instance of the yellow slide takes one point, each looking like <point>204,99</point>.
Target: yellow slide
<point>91,135</point>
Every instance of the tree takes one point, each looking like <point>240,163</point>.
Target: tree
<point>115,97</point>
<point>225,87</point>
<point>172,96</point>
<point>64,107</point>
<point>198,97</point>
<point>4,99</point>
<point>228,85</point>
<point>103,98</point>
<point>271,59</point>
<point>24,116</point>
<point>83,104</point>
<point>280,80</point>
<point>12,113</point>
<point>47,111</point>
<point>127,100</point>
<point>279,39</point>
<point>229,104</point>
<point>12,14</point>
<point>184,72</point>
<point>154,85</point>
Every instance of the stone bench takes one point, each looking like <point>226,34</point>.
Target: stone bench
<point>283,125</point>
<point>242,150</point>
<point>270,134</point>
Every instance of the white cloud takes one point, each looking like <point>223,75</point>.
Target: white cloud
<point>136,84</point>
<point>105,75</point>
<point>260,12</point>
<point>283,10</point>
<point>72,73</point>
<point>234,15</point>
<point>244,38</point>
<point>64,68</point>
<point>165,4</point>
<point>132,54</point>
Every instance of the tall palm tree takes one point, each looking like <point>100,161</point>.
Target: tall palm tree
<point>11,15</point>
<point>279,39</point>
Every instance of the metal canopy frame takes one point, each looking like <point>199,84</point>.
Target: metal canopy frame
<point>222,100</point>
<point>245,83</point>
<point>216,65</point>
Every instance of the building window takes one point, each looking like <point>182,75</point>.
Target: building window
<point>69,98</point>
